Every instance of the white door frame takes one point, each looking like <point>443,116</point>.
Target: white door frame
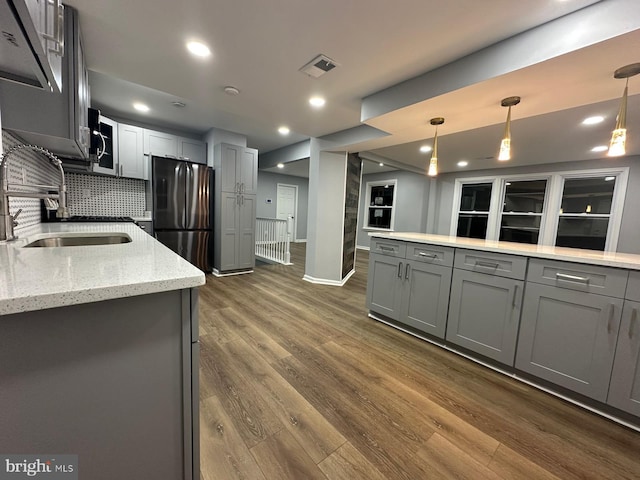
<point>295,208</point>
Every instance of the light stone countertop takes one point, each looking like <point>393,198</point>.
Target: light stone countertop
<point>591,257</point>
<point>48,277</point>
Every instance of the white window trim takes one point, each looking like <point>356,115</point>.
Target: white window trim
<point>367,205</point>
<point>553,200</point>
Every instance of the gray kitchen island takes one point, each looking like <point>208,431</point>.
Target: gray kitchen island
<point>99,354</point>
<point>564,320</point>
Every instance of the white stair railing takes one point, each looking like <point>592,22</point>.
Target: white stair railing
<point>273,236</point>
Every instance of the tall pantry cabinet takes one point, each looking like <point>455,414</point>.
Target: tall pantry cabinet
<point>236,186</point>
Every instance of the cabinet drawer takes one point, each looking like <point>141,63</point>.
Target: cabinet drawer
<point>393,248</point>
<point>500,264</point>
<point>430,254</point>
<point>633,287</point>
<point>575,276</point>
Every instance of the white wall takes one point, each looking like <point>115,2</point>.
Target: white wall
<point>268,187</point>
<point>412,194</point>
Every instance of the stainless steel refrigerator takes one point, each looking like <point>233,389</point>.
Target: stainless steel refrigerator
<point>182,208</point>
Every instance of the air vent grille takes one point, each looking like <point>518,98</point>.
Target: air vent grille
<point>319,66</point>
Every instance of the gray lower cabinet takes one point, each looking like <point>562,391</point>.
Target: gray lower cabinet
<point>484,312</point>
<point>384,286</point>
<point>425,299</point>
<point>624,390</point>
<point>569,338</point>
<point>114,382</point>
<point>235,223</point>
<point>409,291</point>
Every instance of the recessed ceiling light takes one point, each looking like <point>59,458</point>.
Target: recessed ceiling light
<point>283,130</point>
<point>141,107</point>
<point>317,102</point>
<point>381,164</point>
<point>608,179</point>
<point>425,148</point>
<point>280,165</point>
<point>463,163</point>
<point>199,49</point>
<point>593,120</point>
<point>600,148</point>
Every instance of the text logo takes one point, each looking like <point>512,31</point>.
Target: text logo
<point>40,467</point>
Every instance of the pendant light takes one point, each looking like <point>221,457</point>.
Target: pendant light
<point>433,163</point>
<point>617,147</point>
<point>505,145</point>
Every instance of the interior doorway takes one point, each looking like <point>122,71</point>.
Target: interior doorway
<point>287,205</point>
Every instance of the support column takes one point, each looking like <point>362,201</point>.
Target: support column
<point>326,215</point>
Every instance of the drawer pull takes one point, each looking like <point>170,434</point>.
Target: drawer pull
<point>610,319</point>
<point>634,317</point>
<point>487,264</point>
<point>407,269</point>
<point>400,270</point>
<point>384,248</point>
<point>427,255</point>
<point>572,278</point>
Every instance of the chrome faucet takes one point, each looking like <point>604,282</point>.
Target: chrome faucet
<point>8,221</point>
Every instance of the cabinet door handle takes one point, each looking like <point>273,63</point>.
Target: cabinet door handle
<point>610,317</point>
<point>407,270</point>
<point>400,270</point>
<point>515,294</point>
<point>427,255</point>
<point>237,187</point>
<point>486,264</point>
<point>572,278</point>
<point>634,317</point>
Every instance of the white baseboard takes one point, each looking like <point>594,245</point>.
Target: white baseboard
<point>325,281</point>
<point>358,247</point>
<point>300,240</point>
<point>217,273</point>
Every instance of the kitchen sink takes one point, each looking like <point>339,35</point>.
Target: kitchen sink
<point>75,240</point>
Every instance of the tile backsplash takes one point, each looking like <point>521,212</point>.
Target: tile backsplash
<point>86,194</point>
<point>30,167</point>
<point>110,196</point>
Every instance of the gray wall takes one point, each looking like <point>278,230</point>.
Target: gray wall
<point>267,188</point>
<point>412,193</point>
<point>628,241</point>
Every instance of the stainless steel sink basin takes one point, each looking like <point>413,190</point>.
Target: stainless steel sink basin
<point>70,240</point>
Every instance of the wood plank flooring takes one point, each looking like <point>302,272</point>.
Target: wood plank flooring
<point>296,382</point>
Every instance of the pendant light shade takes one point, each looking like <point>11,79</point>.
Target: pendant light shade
<point>617,147</point>
<point>433,163</point>
<point>505,144</point>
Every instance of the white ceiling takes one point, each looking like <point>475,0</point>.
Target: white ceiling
<point>135,51</point>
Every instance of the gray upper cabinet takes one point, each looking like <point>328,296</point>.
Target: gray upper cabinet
<point>192,150</point>
<point>56,121</point>
<point>132,163</point>
<point>484,313</point>
<point>624,390</point>
<point>32,54</point>
<point>237,167</point>
<point>160,144</point>
<point>568,337</point>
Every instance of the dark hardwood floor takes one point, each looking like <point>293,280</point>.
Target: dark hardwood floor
<point>298,383</point>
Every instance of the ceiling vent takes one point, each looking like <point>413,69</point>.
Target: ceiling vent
<point>319,66</point>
